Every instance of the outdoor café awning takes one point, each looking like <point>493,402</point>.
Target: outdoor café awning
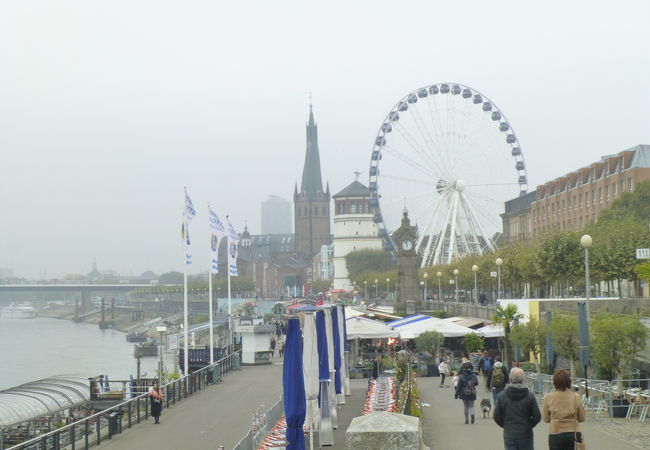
<point>412,326</point>
<point>489,331</point>
<point>361,328</point>
<point>469,322</point>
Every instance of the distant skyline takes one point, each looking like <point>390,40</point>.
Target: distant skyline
<point>110,108</point>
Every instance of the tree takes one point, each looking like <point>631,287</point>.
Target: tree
<point>505,317</point>
<point>643,271</point>
<point>616,340</point>
<point>635,205</point>
<point>559,257</point>
<point>532,338</point>
<point>472,342</point>
<point>360,261</point>
<point>320,285</point>
<point>564,330</point>
<point>429,341</point>
<point>171,278</point>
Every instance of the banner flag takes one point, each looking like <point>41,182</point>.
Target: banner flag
<point>233,240</point>
<point>217,232</point>
<point>189,212</point>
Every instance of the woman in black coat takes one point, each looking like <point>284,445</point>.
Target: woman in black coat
<point>156,396</point>
<point>466,390</point>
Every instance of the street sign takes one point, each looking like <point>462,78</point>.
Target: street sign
<point>172,341</point>
<point>643,253</point>
<point>451,281</point>
<point>493,274</point>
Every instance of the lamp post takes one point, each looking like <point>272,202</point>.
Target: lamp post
<point>376,288</point>
<point>387,288</point>
<point>422,287</point>
<point>365,289</point>
<point>456,272</point>
<point>162,330</point>
<point>586,242</point>
<point>439,274</point>
<point>498,262</point>
<point>426,275</point>
<point>475,270</point>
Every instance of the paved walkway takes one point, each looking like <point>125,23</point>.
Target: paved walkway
<point>218,415</point>
<point>444,425</point>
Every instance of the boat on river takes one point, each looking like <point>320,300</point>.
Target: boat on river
<point>20,311</point>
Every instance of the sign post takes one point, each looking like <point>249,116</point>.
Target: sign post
<point>643,253</point>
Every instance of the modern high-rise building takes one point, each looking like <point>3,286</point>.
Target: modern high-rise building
<point>311,203</point>
<point>276,215</point>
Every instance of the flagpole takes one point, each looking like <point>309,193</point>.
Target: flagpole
<point>185,356</point>
<point>211,317</point>
<point>229,299</point>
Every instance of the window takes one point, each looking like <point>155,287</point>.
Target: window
<point>324,211</point>
<point>593,197</point>
<point>629,184</point>
<point>622,186</point>
<point>600,195</point>
<point>341,208</point>
<point>580,196</point>
<point>354,208</point>
<point>562,205</point>
<point>315,210</point>
<point>615,189</point>
<point>553,209</point>
<point>607,192</point>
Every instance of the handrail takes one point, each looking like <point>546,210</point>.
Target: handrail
<point>126,404</point>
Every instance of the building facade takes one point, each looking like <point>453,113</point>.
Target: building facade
<point>311,203</point>
<point>276,215</point>
<point>354,229</point>
<point>574,200</point>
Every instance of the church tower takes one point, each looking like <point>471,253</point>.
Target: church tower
<point>311,203</point>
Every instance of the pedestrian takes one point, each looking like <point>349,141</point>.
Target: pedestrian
<point>272,346</point>
<point>516,411</point>
<point>484,368</point>
<point>454,380</point>
<point>443,368</point>
<point>497,378</point>
<point>563,410</point>
<point>466,390</point>
<point>156,396</point>
<point>281,348</point>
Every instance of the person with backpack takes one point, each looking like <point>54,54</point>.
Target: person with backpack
<point>498,378</point>
<point>517,412</point>
<point>485,367</point>
<point>466,390</point>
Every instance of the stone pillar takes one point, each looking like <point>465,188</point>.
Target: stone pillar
<point>384,431</point>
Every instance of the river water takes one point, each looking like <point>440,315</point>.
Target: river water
<point>33,349</point>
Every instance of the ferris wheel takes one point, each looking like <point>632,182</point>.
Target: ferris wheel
<point>447,154</point>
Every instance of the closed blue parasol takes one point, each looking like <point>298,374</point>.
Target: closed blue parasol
<point>337,350</point>
<point>294,387</point>
<point>323,356</point>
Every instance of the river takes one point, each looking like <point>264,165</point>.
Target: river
<point>32,349</point>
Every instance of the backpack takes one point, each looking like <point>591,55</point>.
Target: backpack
<point>487,364</point>
<point>497,377</point>
<point>469,390</point>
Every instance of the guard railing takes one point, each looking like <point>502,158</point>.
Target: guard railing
<point>94,429</point>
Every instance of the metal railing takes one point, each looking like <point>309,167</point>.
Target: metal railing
<point>622,398</point>
<point>261,426</point>
<point>93,429</point>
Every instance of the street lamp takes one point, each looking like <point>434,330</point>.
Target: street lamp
<point>498,262</point>
<point>586,242</point>
<point>426,275</point>
<point>387,288</point>
<point>376,288</point>
<point>475,270</point>
<point>365,289</point>
<point>162,330</point>
<point>439,274</point>
<point>456,272</point>
<point>422,287</point>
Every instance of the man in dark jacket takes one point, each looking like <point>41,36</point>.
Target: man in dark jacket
<point>516,411</point>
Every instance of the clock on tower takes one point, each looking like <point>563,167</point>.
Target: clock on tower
<point>407,284</point>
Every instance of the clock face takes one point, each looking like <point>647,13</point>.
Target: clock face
<point>407,245</point>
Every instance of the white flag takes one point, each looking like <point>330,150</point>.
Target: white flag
<point>185,235</point>
<point>189,212</point>
<point>217,232</point>
<point>233,240</point>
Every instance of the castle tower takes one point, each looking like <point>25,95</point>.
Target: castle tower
<point>354,229</point>
<point>311,203</point>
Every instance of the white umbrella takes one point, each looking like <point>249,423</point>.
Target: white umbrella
<point>330,354</point>
<point>411,330</point>
<point>310,371</point>
<point>361,328</point>
<point>344,366</point>
<point>489,331</point>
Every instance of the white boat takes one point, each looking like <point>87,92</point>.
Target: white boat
<point>21,311</point>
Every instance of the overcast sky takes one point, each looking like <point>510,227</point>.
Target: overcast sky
<point>107,109</point>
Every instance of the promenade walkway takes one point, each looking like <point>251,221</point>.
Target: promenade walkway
<point>444,425</point>
<point>217,415</point>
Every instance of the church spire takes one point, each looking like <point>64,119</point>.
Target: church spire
<point>312,182</point>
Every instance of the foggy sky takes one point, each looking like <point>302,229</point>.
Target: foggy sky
<point>107,109</point>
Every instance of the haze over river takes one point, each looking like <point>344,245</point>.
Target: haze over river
<point>32,349</point>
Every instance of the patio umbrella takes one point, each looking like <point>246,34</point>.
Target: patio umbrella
<point>325,434</point>
<point>346,354</point>
<point>336,332</point>
<point>310,371</point>
<point>294,387</point>
<point>306,308</point>
<point>330,353</point>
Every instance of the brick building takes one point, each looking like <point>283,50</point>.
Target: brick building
<point>574,200</point>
